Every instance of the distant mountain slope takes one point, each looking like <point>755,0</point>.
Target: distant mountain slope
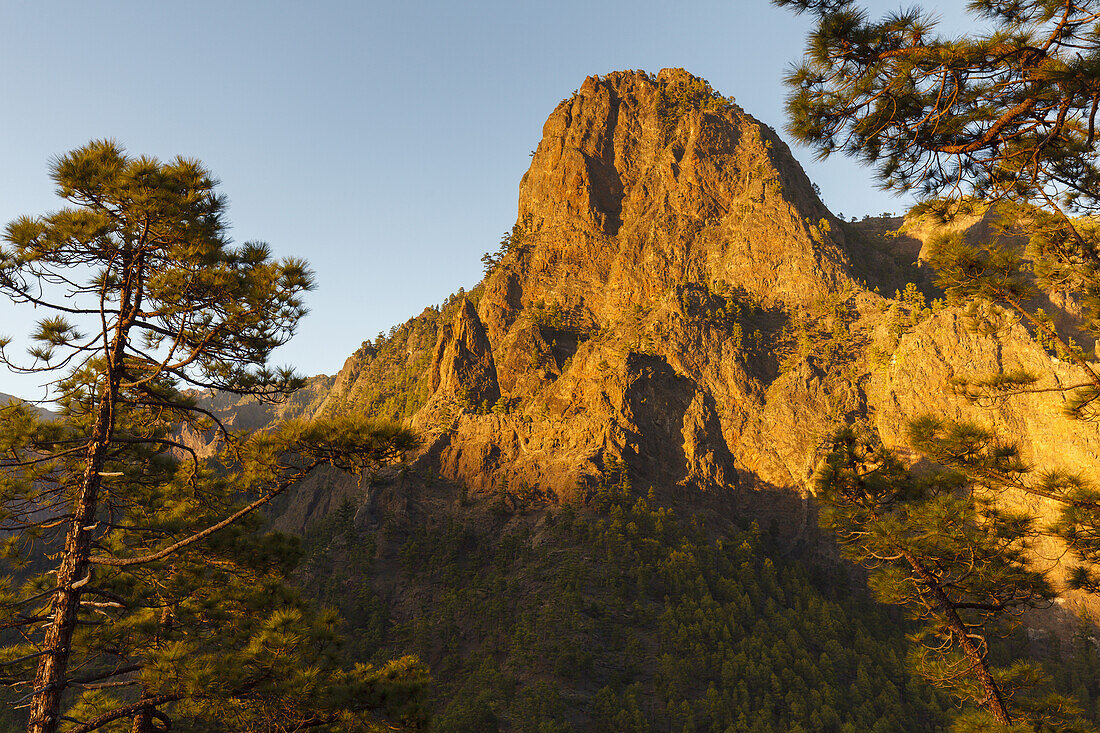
<point>6,398</point>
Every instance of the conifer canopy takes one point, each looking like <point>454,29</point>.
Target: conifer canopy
<point>1003,117</point>
<point>136,586</point>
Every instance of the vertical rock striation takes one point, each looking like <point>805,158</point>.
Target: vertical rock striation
<point>676,296</point>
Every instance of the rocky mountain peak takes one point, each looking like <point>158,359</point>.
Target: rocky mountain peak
<point>674,309</point>
<point>653,180</point>
<point>675,297</point>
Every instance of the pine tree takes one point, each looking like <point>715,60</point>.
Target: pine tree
<point>135,586</point>
<point>1003,117</point>
<point>935,544</point>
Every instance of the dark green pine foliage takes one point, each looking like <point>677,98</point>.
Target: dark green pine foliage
<point>1002,118</point>
<point>210,633</point>
<point>996,464</point>
<point>1076,668</point>
<point>938,545</point>
<point>1005,114</point>
<point>616,617</point>
<point>135,591</point>
<point>1008,109</point>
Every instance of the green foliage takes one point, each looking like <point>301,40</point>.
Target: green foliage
<point>676,99</point>
<point>820,231</point>
<point>622,616</point>
<point>551,317</point>
<point>908,309</point>
<point>977,388</point>
<point>1001,285</point>
<point>945,209</point>
<point>205,619</point>
<point>725,310</point>
<point>394,375</point>
<point>1075,667</point>
<point>905,311</point>
<point>564,329</point>
<point>133,582</point>
<point>510,242</point>
<point>1004,115</point>
<point>1045,330</point>
<point>985,458</point>
<point>936,112</point>
<point>822,332</point>
<point>967,272</point>
<point>219,308</point>
<point>506,405</point>
<point>1009,129</point>
<point>956,561</point>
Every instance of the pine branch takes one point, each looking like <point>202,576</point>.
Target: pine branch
<point>123,712</point>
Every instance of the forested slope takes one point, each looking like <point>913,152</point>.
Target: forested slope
<point>609,525</point>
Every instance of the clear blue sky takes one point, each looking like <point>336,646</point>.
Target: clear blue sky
<point>383,142</point>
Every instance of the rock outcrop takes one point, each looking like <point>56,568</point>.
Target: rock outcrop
<point>462,364</point>
<point>624,199</point>
<point>676,297</point>
<point>636,226</point>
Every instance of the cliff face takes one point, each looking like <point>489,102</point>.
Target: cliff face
<point>675,309</point>
<point>675,295</point>
<point>664,238</point>
<point>640,183</point>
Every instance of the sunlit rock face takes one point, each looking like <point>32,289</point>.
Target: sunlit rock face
<point>633,222</point>
<point>677,297</point>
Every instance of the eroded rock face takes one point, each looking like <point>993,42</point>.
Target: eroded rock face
<point>629,218</point>
<point>677,297</point>
<point>917,381</point>
<point>625,214</point>
<point>463,362</point>
<point>654,308</point>
<point>622,201</point>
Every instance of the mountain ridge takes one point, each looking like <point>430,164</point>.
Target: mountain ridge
<point>641,383</point>
<point>675,295</point>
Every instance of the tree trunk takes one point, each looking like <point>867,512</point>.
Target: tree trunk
<point>74,572</point>
<point>49,680</point>
<point>994,700</point>
<point>143,721</point>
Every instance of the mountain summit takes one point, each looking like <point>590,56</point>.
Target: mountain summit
<point>634,311</point>
<point>674,295</point>
<point>641,182</point>
<point>666,337</point>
